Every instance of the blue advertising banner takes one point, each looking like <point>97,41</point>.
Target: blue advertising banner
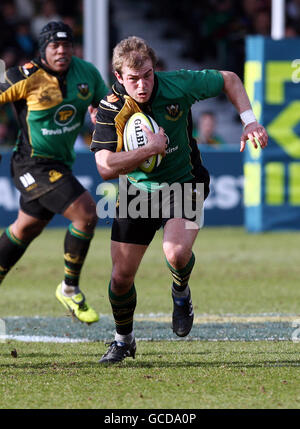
<point>224,206</point>
<point>272,176</point>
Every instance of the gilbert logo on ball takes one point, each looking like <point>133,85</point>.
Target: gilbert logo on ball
<point>134,137</point>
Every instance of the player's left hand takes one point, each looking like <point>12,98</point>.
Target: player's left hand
<point>93,113</point>
<point>256,133</point>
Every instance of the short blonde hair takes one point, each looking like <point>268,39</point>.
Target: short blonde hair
<point>133,51</point>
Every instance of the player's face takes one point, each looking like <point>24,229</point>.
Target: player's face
<point>59,55</point>
<point>138,83</point>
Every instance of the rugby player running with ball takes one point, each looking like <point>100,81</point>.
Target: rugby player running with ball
<point>167,97</point>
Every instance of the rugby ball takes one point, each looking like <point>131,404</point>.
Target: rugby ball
<point>134,137</point>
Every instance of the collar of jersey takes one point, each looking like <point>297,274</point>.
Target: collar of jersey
<point>52,72</point>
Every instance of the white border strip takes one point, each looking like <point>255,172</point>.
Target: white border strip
<point>43,339</point>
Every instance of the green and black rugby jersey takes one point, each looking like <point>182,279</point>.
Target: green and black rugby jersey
<point>170,104</point>
<point>51,107</point>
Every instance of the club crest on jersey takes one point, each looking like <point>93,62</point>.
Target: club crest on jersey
<point>173,112</point>
<point>65,114</point>
<point>54,175</point>
<point>84,91</point>
<point>112,98</point>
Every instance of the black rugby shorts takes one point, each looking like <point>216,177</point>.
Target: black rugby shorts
<point>47,187</point>
<point>142,230</point>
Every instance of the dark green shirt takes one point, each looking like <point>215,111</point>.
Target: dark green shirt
<point>51,108</point>
<point>173,95</point>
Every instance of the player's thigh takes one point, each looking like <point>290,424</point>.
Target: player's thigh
<point>126,258</point>
<point>82,211</point>
<point>129,241</point>
<point>178,239</point>
<point>62,196</point>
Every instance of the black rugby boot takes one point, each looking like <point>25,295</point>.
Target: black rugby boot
<point>183,315</point>
<point>117,352</point>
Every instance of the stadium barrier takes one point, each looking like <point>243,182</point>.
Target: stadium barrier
<point>272,176</point>
<point>224,205</point>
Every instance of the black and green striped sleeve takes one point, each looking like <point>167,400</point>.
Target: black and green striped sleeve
<point>105,135</point>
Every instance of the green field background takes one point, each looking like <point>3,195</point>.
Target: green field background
<point>235,272</point>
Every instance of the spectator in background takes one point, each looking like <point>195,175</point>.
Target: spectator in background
<point>206,131</point>
<point>249,12</point>
<point>9,13</point>
<point>292,29</point>
<point>8,20</point>
<point>10,57</point>
<point>48,13</point>
<point>24,39</point>
<point>262,23</point>
<point>293,10</point>
<point>76,26</point>
<point>25,8</point>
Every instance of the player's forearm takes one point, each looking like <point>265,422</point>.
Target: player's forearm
<point>9,94</point>
<point>235,91</point>
<point>111,165</point>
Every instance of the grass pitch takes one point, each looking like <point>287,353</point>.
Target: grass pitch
<point>236,274</point>
<point>174,375</point>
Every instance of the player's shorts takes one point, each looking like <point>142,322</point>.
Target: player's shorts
<point>47,187</point>
<point>129,228</point>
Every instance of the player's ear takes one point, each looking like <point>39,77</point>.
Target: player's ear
<point>119,77</point>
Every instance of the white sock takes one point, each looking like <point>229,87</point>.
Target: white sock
<point>124,338</point>
<point>69,290</point>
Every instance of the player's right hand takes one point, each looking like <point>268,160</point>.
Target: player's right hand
<point>93,113</point>
<point>157,140</point>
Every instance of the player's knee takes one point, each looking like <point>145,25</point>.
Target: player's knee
<point>91,219</point>
<point>121,281</point>
<point>27,232</point>
<point>177,255</point>
<point>87,221</point>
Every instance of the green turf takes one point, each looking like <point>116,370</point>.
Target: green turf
<point>235,273</point>
<point>175,375</point>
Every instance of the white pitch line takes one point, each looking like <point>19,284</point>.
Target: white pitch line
<point>45,339</point>
<point>203,319</point>
<point>226,318</point>
<point>42,339</point>
<point>199,318</point>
